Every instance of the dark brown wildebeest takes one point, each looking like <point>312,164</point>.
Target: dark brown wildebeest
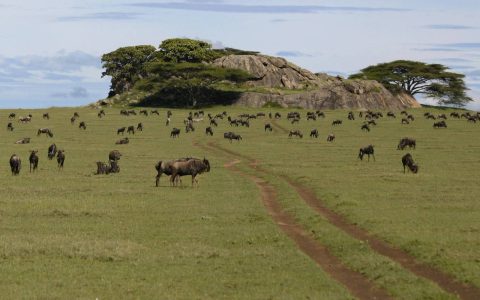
<point>12,116</point>
<point>368,150</point>
<point>311,116</point>
<point>192,167</point>
<point>314,133</point>
<point>175,133</point>
<point>76,115</point>
<point>372,122</point>
<point>277,115</point>
<point>431,117</point>
<point>154,112</point>
<point>268,127</point>
<point>72,120</point>
<point>260,114</point>
<point>189,127</point>
<point>144,112</point>
<point>232,136</point>
<point>104,168</point>
<point>365,127</point>
<point>455,115</point>
<point>209,131</point>
<point>405,121</point>
<point>60,158</point>
<point>472,119</point>
<point>336,122</point>
<point>407,161</point>
<point>82,125</point>
<point>213,122</point>
<point>33,159</point>
<point>46,116</point>
<point>351,116</point>
<point>139,127</point>
<point>123,141</point>
<point>25,119</point>
<point>320,114</point>
<point>442,116</point>
<point>131,130</point>
<point>165,167</point>
<point>391,115</point>
<point>411,143</point>
<point>124,112</point>
<point>15,164</point>
<point>295,120</point>
<point>440,124</point>
<point>114,155</point>
<point>411,118</point>
<point>52,150</point>
<point>23,141</point>
<point>121,130</point>
<point>295,133</point>
<point>360,114</point>
<point>330,137</point>
<point>10,126</point>
<point>46,131</point>
<point>404,112</point>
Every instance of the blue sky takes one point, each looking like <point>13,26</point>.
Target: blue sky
<point>50,51</point>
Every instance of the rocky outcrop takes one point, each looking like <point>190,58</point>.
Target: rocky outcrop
<point>292,86</point>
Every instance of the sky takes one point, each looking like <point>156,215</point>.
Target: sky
<point>50,50</point>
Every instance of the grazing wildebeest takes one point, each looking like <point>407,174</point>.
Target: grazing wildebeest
<point>455,115</point>
<point>440,124</point>
<point>123,141</point>
<point>404,112</point>
<point>295,133</point>
<point>154,112</point>
<point>336,122</point>
<point>132,112</point>
<point>405,121</point>
<point>52,150</point>
<point>15,164</point>
<point>121,130</point>
<point>47,131</point>
<point>192,167</point>
<point>366,151</point>
<point>131,130</point>
<point>365,127</point>
<point>232,136</point>
<point>411,143</point>
<point>175,133</point>
<point>33,159</point>
<point>10,126</point>
<point>314,133</point>
<point>411,118</point>
<point>407,160</point>
<point>60,158</point>
<point>76,115</point>
<point>144,112</point>
<point>189,127</point>
<point>209,131</point>
<point>114,155</point>
<point>472,119</point>
<point>295,120</point>
<point>213,122</point>
<point>139,127</point>
<point>124,112</point>
<point>431,117</point>
<point>23,141</point>
<point>442,116</point>
<point>12,116</point>
<point>391,115</point>
<point>320,114</point>
<point>25,119</point>
<point>278,115</point>
<point>330,137</point>
<point>372,122</point>
<point>46,116</point>
<point>165,167</point>
<point>82,125</point>
<point>311,116</point>
<point>268,127</point>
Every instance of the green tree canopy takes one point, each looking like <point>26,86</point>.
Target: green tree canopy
<point>413,77</point>
<point>186,50</point>
<point>126,65</point>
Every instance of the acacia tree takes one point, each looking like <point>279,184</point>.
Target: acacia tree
<point>413,77</point>
<point>186,50</point>
<point>126,65</point>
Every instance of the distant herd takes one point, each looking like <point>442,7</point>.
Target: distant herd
<point>194,166</point>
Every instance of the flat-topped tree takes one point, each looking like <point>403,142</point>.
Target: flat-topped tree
<point>413,77</point>
<point>186,50</point>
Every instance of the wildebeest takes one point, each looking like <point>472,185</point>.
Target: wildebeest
<point>52,150</point>
<point>455,115</point>
<point>372,122</point>
<point>368,150</point>
<point>336,122</point>
<point>330,137</point>
<point>411,118</point>
<point>104,168</point>
<point>25,119</point>
<point>114,155</point>
<point>351,116</point>
<point>46,116</point>
<point>442,116</point>
<point>72,120</point>
<point>121,130</point>
<point>311,116</point>
<point>76,115</point>
<point>189,127</point>
<point>33,159</point>
<point>165,167</point>
<point>405,121</point>
<point>192,167</point>
<point>139,127</point>
<point>12,116</point>
<point>407,161</point>
<point>431,117</point>
<point>277,115</point>
<point>23,141</point>
<point>61,158</point>
<point>175,133</point>
<point>404,112</point>
<point>365,127</point>
<point>411,143</point>
<point>82,125</point>
<point>152,112</point>
<point>268,127</point>
<point>122,141</point>
<point>314,133</point>
<point>391,114</point>
<point>213,122</point>
<point>232,136</point>
<point>440,124</point>
<point>295,133</point>
<point>46,131</point>
<point>131,130</point>
<point>15,164</point>
<point>295,120</point>
<point>144,112</point>
<point>209,131</point>
<point>10,126</point>
<point>472,119</point>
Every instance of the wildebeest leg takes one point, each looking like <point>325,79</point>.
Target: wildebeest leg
<point>373,157</point>
<point>157,179</point>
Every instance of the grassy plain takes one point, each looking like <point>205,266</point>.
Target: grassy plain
<point>74,234</point>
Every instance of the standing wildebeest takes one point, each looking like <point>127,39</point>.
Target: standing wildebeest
<point>404,112</point>
<point>411,118</point>
<point>330,137</point>
<point>365,127</point>
<point>144,112</point>
<point>15,164</point>
<point>351,116</point>
<point>372,122</point>
<point>123,141</point>
<point>121,130</point>
<point>12,116</point>
<point>336,122</point>
<point>277,115</point>
<point>76,115</point>
<point>189,127</point>
<point>175,133</point>
<point>366,151</point>
<point>314,133</point>
<point>192,167</point>
<point>33,159</point>
<point>131,130</point>
<point>139,127</point>
<point>47,131</point>
<point>455,115</point>
<point>82,125</point>
<point>440,124</point>
<point>114,155</point>
<point>213,122</point>
<point>25,119</point>
<point>154,112</point>
<point>209,131</point>
<point>405,121</point>
<point>72,120</point>
<point>407,160</point>
<point>232,136</point>
<point>46,116</point>
<point>295,133</point>
<point>101,113</point>
<point>61,158</point>
<point>10,126</point>
<point>391,115</point>
<point>52,150</point>
<point>411,143</point>
<point>165,167</point>
<point>23,141</point>
<point>268,127</point>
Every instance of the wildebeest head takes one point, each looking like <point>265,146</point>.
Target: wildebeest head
<point>414,168</point>
<point>207,164</point>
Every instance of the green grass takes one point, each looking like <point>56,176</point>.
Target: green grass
<point>72,234</point>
